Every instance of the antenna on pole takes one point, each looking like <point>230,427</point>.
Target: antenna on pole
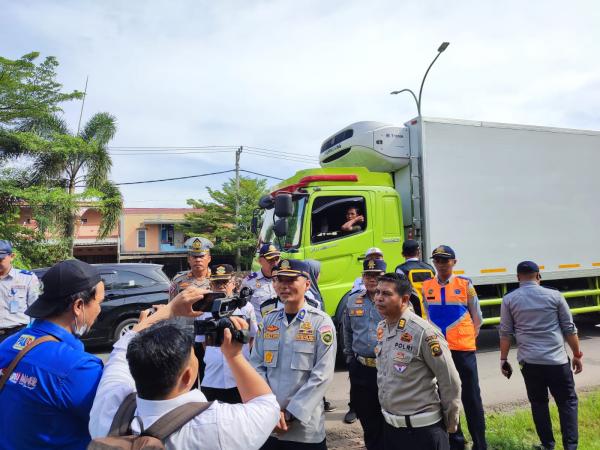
<point>82,103</point>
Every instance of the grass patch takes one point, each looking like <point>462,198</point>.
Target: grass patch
<point>515,430</point>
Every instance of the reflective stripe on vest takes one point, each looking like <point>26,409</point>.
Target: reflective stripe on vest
<point>448,309</point>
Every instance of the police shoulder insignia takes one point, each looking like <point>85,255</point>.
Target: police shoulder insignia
<point>23,341</point>
<point>402,323</point>
<point>326,336</point>
<point>325,329</point>
<point>252,275</point>
<point>26,272</point>
<point>380,333</point>
<point>301,314</point>
<point>434,346</point>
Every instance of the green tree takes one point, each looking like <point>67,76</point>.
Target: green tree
<point>217,220</point>
<point>58,160</point>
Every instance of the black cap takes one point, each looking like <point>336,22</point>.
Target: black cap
<point>527,267</point>
<point>291,268</point>
<point>221,272</point>
<point>374,265</point>
<point>444,252</point>
<point>410,246</point>
<point>62,280</point>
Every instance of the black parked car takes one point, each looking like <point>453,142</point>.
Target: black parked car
<point>129,289</point>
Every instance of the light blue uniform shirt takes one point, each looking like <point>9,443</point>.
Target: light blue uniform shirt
<point>539,318</point>
<point>360,326</point>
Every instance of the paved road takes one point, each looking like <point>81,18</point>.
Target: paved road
<point>496,390</point>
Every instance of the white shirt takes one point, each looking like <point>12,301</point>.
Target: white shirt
<point>222,426</point>
<point>217,373</point>
<point>263,290</point>
<point>18,290</point>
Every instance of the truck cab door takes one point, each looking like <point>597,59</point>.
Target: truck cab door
<point>340,252</point>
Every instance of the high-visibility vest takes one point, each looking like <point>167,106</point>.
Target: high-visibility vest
<point>448,309</point>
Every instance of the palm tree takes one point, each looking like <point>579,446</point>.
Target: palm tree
<point>61,158</point>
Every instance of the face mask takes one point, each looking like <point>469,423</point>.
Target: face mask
<point>83,329</point>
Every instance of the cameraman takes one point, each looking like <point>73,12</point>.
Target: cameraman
<point>218,382</point>
<point>159,363</point>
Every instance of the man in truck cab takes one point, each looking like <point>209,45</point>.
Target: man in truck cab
<point>452,304</point>
<point>354,220</point>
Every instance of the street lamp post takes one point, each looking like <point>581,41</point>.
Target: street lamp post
<point>441,48</point>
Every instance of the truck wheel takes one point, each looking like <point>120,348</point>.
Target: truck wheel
<point>123,327</point>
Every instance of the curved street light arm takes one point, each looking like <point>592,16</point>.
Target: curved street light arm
<point>411,93</point>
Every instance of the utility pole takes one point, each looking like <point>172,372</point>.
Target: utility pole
<point>238,251</point>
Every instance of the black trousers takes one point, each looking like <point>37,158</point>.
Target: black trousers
<point>432,437</point>
<point>466,365</point>
<point>231,396</point>
<point>539,378</point>
<point>199,351</point>
<point>365,401</point>
<point>275,444</point>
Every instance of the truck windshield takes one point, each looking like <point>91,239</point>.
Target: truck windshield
<point>292,240</point>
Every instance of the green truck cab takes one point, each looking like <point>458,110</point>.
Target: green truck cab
<point>320,199</point>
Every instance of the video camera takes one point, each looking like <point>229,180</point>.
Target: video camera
<point>221,309</point>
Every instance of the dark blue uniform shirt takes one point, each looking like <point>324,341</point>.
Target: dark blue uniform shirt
<point>47,400</point>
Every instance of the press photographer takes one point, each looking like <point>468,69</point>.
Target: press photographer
<point>156,360</point>
<point>218,382</point>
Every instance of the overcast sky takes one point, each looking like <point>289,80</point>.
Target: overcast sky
<point>284,75</point>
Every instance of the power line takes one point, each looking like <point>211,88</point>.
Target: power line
<point>176,178</point>
<point>261,174</point>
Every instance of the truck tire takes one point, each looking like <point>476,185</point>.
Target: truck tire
<point>122,327</point>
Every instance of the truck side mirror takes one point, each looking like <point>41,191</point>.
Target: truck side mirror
<point>266,202</point>
<point>284,206</point>
<point>280,227</point>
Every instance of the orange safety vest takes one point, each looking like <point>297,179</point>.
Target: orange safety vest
<point>448,309</point>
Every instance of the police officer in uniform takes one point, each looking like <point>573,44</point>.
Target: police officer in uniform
<point>453,306</point>
<point>18,290</point>
<point>419,387</point>
<point>218,382</point>
<point>416,271</point>
<point>295,352</point>
<point>360,338</point>
<point>198,259</point>
<point>261,282</point>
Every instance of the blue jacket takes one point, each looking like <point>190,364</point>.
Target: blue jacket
<point>47,400</point>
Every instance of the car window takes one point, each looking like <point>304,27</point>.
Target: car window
<point>131,280</point>
<point>109,280</point>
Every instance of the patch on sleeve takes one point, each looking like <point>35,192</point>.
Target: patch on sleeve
<point>23,341</point>
<point>434,346</point>
<point>325,329</point>
<point>326,336</point>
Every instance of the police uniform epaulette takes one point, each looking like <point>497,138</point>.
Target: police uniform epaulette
<point>316,309</point>
<point>252,276</point>
<point>274,310</point>
<point>180,275</point>
<point>312,303</point>
<point>268,305</point>
<point>26,272</point>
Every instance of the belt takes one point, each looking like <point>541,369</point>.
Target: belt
<point>414,421</point>
<point>369,362</point>
<point>11,330</point>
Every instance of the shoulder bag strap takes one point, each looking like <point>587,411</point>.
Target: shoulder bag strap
<point>11,367</point>
<point>122,421</point>
<point>175,419</point>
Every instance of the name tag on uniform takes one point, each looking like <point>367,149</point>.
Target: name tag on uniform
<point>356,311</point>
<point>271,335</point>
<point>13,306</point>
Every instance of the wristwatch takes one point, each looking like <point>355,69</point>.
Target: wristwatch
<point>578,355</point>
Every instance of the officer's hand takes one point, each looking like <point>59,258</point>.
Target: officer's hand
<point>360,219</point>
<point>506,368</point>
<point>577,365</point>
<point>181,305</point>
<point>281,426</point>
<point>229,347</point>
